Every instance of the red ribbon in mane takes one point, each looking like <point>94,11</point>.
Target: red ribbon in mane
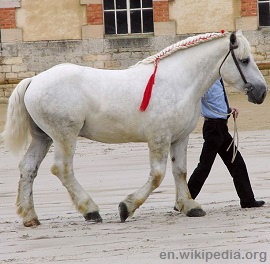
<point>148,89</point>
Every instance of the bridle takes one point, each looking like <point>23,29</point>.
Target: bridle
<point>248,89</point>
<point>248,86</point>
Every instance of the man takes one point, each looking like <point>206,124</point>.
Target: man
<point>215,110</point>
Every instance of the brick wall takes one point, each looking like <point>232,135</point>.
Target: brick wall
<point>94,14</point>
<point>249,8</point>
<point>161,11</point>
<point>7,18</point>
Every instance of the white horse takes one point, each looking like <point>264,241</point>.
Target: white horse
<point>68,101</point>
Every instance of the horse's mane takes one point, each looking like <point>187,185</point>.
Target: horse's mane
<point>183,44</point>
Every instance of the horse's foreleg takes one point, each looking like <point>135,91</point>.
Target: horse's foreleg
<point>184,202</point>
<point>28,169</point>
<point>158,159</point>
<point>63,169</point>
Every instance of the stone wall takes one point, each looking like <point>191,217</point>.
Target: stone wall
<point>25,59</point>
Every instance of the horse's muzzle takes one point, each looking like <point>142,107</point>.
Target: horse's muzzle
<point>255,95</point>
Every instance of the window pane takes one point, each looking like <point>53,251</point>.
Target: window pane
<point>109,20</point>
<point>108,4</point>
<point>264,14</point>
<point>135,3</point>
<point>122,27</point>
<point>147,3</point>
<point>121,4</point>
<point>148,24</point>
<point>135,20</point>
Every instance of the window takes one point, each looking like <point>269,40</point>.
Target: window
<point>128,17</point>
<point>264,13</point>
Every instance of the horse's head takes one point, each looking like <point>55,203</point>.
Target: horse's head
<point>240,70</point>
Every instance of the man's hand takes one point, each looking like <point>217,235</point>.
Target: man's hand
<point>234,112</point>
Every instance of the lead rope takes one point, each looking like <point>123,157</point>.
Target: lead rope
<point>235,146</point>
<point>235,131</point>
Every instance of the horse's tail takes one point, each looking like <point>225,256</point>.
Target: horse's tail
<point>17,127</point>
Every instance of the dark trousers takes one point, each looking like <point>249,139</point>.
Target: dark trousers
<point>216,141</point>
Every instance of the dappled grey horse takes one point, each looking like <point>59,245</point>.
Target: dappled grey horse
<point>117,106</point>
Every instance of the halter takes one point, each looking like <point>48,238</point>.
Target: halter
<point>248,86</point>
<point>248,89</point>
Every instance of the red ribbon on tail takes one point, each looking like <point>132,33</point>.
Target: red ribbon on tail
<point>148,90</point>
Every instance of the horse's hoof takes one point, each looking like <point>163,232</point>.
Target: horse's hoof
<point>93,216</point>
<point>196,212</point>
<point>33,222</point>
<point>123,211</point>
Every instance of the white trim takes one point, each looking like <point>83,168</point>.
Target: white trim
<point>90,2</point>
<point>128,17</point>
<point>10,3</point>
<point>11,35</point>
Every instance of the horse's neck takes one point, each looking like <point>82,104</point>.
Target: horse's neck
<point>197,68</point>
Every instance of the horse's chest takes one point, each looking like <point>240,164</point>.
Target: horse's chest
<point>185,123</point>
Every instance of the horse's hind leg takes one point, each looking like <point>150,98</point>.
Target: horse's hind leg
<point>63,169</point>
<point>28,171</point>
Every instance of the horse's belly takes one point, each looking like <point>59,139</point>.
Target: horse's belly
<point>109,137</point>
<point>110,133</point>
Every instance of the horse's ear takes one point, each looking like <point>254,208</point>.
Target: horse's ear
<point>233,40</point>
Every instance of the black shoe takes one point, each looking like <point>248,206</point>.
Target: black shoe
<point>253,204</point>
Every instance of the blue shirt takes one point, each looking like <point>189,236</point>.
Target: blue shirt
<point>215,98</point>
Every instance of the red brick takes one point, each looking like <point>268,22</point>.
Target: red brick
<point>161,11</point>
<point>249,8</point>
<point>94,14</point>
<point>7,18</point>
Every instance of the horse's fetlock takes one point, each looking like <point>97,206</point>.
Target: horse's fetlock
<point>157,178</point>
<point>83,207</point>
<point>20,211</point>
<point>178,206</point>
<point>55,170</point>
<point>130,199</point>
<point>138,203</point>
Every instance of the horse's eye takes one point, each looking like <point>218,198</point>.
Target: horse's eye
<point>245,61</point>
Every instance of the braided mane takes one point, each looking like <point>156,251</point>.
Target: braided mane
<point>183,44</point>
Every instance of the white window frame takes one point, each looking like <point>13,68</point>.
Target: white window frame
<point>128,9</point>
